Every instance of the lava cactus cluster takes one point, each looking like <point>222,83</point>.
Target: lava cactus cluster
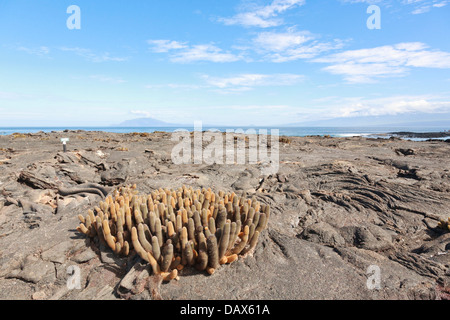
<point>174,229</point>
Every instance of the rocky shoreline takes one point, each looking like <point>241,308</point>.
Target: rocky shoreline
<point>422,135</point>
<point>338,206</point>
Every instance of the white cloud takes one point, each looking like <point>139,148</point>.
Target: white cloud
<point>253,80</point>
<point>423,6</point>
<point>237,83</point>
<point>278,42</point>
<point>291,45</point>
<point>367,65</point>
<point>418,6</point>
<point>184,53</point>
<point>166,45</point>
<point>204,52</point>
<point>263,16</point>
<point>395,105</point>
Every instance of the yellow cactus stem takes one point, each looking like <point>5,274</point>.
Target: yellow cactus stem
<point>138,216</point>
<point>98,226</point>
<point>224,239</point>
<point>202,260</point>
<point>253,242</point>
<point>189,254</point>
<point>118,248</point>
<point>128,219</point>
<point>112,211</point>
<point>169,276</point>
<point>91,215</point>
<point>107,234</point>
<point>191,230</point>
<point>82,228</point>
<point>156,249</point>
<point>184,216</point>
<point>180,266</point>
<point>120,238</point>
<point>232,258</point>
<point>241,245</point>
<point>142,239</point>
<point>88,223</point>
<point>170,229</point>
<point>137,245</point>
<point>81,218</point>
<point>125,249</point>
<point>223,260</point>
<point>158,231</point>
<point>167,257</point>
<point>153,263</point>
<point>187,203</point>
<point>175,262</point>
<point>213,252</point>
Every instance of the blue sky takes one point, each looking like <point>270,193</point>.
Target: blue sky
<point>234,62</point>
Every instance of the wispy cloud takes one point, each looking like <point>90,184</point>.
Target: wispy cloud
<point>39,51</point>
<point>236,83</point>
<point>292,45</point>
<point>89,55</point>
<point>184,53</point>
<point>166,45</point>
<point>394,105</point>
<point>417,6</point>
<point>204,52</point>
<point>248,81</point>
<point>262,16</point>
<point>368,65</point>
<point>423,6</point>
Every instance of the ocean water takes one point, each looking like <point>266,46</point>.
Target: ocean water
<point>373,132</point>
